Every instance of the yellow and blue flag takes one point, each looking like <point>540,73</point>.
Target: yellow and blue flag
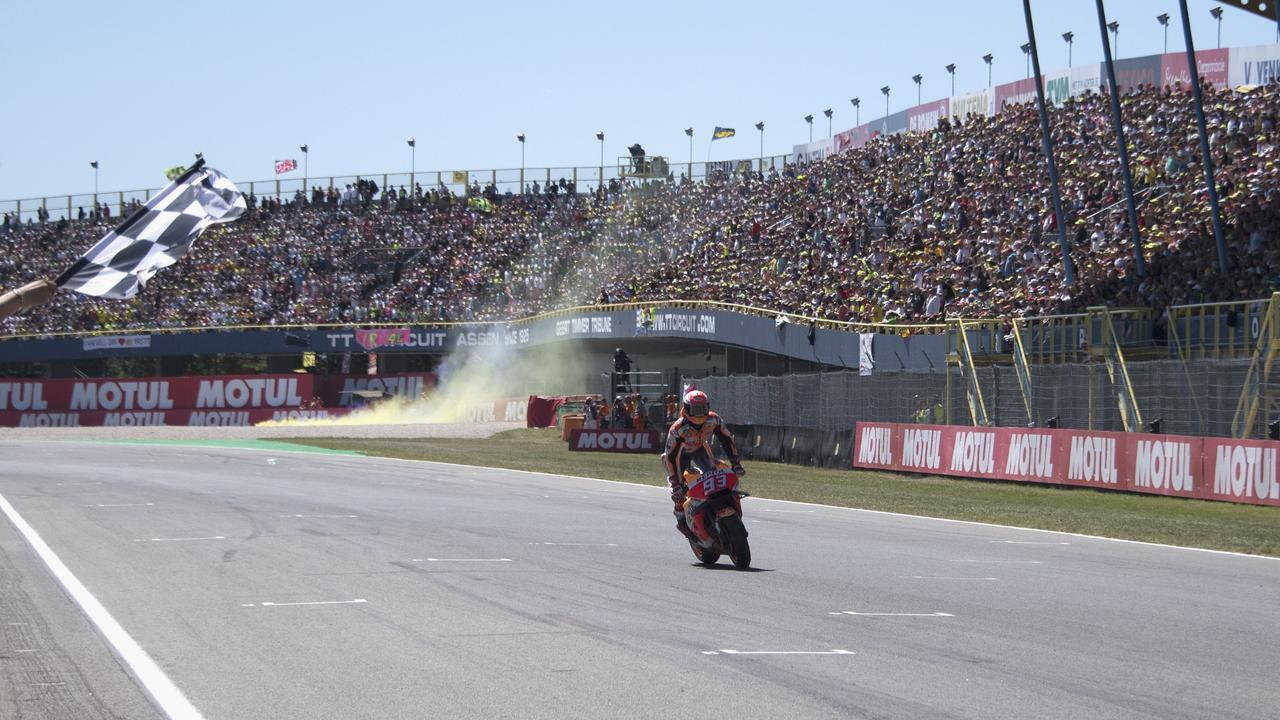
<point>723,132</point>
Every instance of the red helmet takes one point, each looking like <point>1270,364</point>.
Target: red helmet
<point>695,406</point>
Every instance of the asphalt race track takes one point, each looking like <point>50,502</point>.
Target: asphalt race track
<point>267,584</point>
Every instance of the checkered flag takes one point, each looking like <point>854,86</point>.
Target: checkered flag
<point>155,236</point>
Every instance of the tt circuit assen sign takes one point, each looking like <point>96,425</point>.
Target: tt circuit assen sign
<point>619,441</point>
<point>1195,467</point>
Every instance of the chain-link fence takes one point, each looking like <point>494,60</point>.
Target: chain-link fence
<point>1195,398</point>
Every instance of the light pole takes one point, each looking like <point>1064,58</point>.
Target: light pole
<point>885,90</point>
<point>1206,157</point>
<point>809,119</point>
<point>94,165</point>
<point>1069,37</point>
<point>1026,50</point>
<point>1217,15</point>
<point>917,78</point>
<point>1163,19</point>
<point>600,137</point>
<point>1114,27</point>
<point>828,113</point>
<point>413,162</point>
<point>951,69</point>
<point>306,166</point>
<point>760,127</point>
<point>857,110</point>
<point>689,131</point>
<point>520,137</point>
<point>987,59</point>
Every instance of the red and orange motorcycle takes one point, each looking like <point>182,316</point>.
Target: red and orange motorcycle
<point>713,511</point>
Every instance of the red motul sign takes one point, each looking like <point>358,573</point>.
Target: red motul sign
<point>139,418</point>
<point>623,441</point>
<point>1198,467</point>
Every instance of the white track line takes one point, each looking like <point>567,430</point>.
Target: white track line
<point>892,614</point>
<point>357,601</point>
<point>148,673</point>
<point>461,560</point>
<point>777,652</point>
<point>115,505</point>
<point>190,539</point>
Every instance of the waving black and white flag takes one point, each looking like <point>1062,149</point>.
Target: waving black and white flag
<point>155,236</point>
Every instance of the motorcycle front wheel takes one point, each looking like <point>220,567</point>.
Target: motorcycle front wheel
<point>706,556</point>
<point>735,535</point>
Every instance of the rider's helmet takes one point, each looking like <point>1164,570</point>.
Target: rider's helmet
<point>695,407</point>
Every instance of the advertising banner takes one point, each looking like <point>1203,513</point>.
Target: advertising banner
<point>510,410</point>
<point>895,123</point>
<point>1015,93</point>
<point>812,152</point>
<point>111,342</point>
<point>853,138</point>
<point>1212,65</point>
<point>1132,72</point>
<point>1257,65</point>
<point>374,338</point>
<point>978,103</point>
<point>336,390</point>
<point>1242,471</point>
<point>1086,78</point>
<point>925,117</point>
<point>140,418</point>
<point>619,441</point>
<point>126,394</point>
<point>1057,87</point>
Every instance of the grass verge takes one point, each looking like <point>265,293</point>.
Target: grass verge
<point>1176,521</point>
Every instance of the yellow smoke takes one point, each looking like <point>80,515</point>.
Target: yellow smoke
<point>470,379</point>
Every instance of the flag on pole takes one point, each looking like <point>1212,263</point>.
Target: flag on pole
<point>156,235</point>
<point>284,166</point>
<point>174,173</point>
<point>722,132</point>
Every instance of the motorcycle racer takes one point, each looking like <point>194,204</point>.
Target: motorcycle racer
<point>688,438</point>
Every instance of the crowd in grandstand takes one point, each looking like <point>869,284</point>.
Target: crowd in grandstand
<point>909,228</point>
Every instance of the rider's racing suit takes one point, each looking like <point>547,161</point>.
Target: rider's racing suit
<point>686,441</point>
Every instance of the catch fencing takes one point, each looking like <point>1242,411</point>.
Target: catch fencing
<point>1198,397</point>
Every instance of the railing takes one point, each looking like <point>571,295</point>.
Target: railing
<point>882,328</point>
<point>1219,330</point>
<point>513,180</point>
<point>1254,395</point>
<point>1066,338</point>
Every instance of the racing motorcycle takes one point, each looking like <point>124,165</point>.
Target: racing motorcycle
<point>713,510</point>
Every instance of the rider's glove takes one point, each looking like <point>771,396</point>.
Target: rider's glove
<point>738,469</point>
<point>677,490</point>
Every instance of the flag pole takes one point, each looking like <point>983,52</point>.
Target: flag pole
<point>26,297</point>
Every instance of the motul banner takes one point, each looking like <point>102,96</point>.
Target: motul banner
<point>237,392</point>
<point>622,441</point>
<point>139,418</point>
<point>515,410</point>
<point>337,389</point>
<point>1183,466</point>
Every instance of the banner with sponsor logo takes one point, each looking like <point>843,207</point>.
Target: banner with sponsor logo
<point>1015,93</point>
<point>336,390</point>
<point>1257,65</point>
<point>1212,65</point>
<point>510,410</point>
<point>141,418</point>
<point>854,138</point>
<point>926,117</point>
<point>1057,87</point>
<point>175,393</point>
<point>812,152</point>
<point>111,342</point>
<point>621,441</point>
<point>1243,471</point>
<point>1086,78</point>
<point>1132,72</point>
<point>374,338</point>
<point>976,103</point>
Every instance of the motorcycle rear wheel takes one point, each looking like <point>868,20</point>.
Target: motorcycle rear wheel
<point>735,534</point>
<point>706,556</point>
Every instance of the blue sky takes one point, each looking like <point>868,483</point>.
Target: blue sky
<point>141,86</point>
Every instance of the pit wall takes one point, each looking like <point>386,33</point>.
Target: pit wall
<point>1208,468</point>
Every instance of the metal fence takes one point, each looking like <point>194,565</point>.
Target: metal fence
<point>1195,398</point>
<point>585,178</point>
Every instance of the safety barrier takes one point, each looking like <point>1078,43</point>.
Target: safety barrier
<point>1240,471</point>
